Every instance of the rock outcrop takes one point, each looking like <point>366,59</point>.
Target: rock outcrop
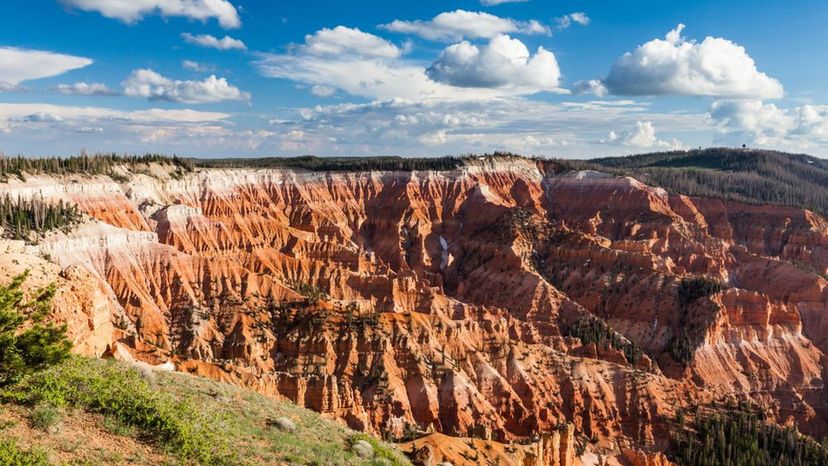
<point>407,301</point>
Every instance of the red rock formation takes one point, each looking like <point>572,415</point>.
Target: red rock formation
<point>404,301</point>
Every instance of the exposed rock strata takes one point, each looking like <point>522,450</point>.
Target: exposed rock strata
<point>441,300</point>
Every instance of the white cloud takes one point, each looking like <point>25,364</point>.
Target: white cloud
<point>205,136</point>
<point>643,135</point>
<point>17,112</point>
<point>195,66</point>
<point>47,128</point>
<point>427,127</point>
<point>84,88</point>
<point>577,17</point>
<point>502,63</point>
<point>509,123</point>
<point>322,91</point>
<point>153,86</point>
<point>499,2</point>
<point>365,65</point>
<point>580,18</point>
<point>131,11</point>
<point>754,122</point>
<point>674,65</point>
<point>206,40</point>
<point>459,24</point>
<point>42,117</point>
<point>18,65</point>
<point>593,86</point>
<point>90,130</point>
<point>343,40</point>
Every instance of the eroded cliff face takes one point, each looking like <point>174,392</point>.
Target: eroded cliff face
<point>400,302</point>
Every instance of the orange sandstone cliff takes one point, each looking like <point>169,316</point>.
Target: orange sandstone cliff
<point>440,305</point>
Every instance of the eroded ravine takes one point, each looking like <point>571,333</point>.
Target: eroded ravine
<point>401,301</point>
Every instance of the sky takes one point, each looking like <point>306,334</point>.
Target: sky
<point>562,78</point>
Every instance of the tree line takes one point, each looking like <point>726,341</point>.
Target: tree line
<point>338,164</point>
<point>749,176</point>
<point>97,164</point>
<point>739,436</point>
<point>21,217</point>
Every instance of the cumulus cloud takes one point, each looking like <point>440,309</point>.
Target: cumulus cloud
<point>642,135</point>
<point>365,65</point>
<point>674,65</point>
<point>593,86</point>
<point>153,86</point>
<point>84,88</point>
<point>577,17</point>
<point>459,24</point>
<point>18,65</point>
<point>206,40</point>
<point>360,64</point>
<point>343,40</point>
<point>755,122</point>
<point>132,11</point>
<point>503,62</point>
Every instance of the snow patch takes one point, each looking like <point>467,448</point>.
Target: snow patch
<point>444,256</point>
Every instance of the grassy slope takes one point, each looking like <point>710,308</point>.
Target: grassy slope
<point>176,419</point>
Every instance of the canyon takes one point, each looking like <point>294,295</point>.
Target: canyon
<point>448,310</point>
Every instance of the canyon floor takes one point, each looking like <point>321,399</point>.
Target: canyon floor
<point>500,311</point>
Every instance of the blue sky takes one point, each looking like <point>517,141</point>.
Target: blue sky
<point>569,78</point>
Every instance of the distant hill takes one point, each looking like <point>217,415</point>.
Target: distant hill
<point>752,176</point>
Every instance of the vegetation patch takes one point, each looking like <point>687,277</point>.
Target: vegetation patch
<point>338,164</point>
<point>692,289</point>
<point>98,164</point>
<point>22,217</point>
<point>740,436</point>
<point>381,451</point>
<point>594,330</point>
<point>13,455</point>
<point>27,345</point>
<point>111,389</point>
<point>750,176</point>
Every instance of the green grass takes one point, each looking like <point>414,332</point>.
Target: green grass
<point>45,416</point>
<point>191,419</point>
<point>12,455</point>
<point>381,451</point>
<point>111,389</point>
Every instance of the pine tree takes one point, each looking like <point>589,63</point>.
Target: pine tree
<point>27,344</point>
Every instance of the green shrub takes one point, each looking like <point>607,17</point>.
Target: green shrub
<point>44,416</point>
<point>381,451</point>
<point>115,425</point>
<point>12,455</point>
<point>119,392</point>
<point>38,346</point>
